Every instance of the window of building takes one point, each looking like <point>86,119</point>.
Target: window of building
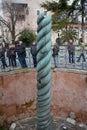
<point>20,10</point>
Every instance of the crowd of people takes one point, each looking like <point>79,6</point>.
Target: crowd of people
<point>71,53</point>
<point>14,51</point>
<point>19,50</point>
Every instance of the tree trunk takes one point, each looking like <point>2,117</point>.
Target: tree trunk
<point>13,33</point>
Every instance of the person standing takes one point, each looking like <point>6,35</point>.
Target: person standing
<point>11,54</point>
<point>8,55</point>
<point>21,52</point>
<point>71,52</point>
<point>2,56</point>
<point>55,54</point>
<point>82,53</point>
<point>34,53</point>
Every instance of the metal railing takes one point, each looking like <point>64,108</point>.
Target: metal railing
<point>63,60</point>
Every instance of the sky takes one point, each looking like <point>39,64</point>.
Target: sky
<point>70,1</point>
<point>0,9</point>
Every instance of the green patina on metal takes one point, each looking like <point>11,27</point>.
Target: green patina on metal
<point>44,72</point>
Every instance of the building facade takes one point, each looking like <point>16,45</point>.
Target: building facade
<point>26,15</point>
<point>27,18</point>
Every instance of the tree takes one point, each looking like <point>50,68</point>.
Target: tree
<point>11,12</point>
<point>27,36</point>
<point>63,13</point>
<point>68,34</point>
<point>60,15</point>
<point>79,8</point>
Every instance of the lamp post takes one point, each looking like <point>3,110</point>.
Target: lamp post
<point>58,39</point>
<point>58,33</point>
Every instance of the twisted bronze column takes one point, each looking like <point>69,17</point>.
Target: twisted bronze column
<point>43,72</point>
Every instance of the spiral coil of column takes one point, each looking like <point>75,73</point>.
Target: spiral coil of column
<point>44,72</point>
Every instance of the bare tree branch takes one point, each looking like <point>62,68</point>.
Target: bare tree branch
<point>5,22</point>
<point>10,10</point>
<point>18,34</point>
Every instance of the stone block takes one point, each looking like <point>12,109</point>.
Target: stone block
<point>13,126</point>
<point>72,115</point>
<point>72,121</point>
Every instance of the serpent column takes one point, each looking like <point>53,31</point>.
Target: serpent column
<point>43,72</point>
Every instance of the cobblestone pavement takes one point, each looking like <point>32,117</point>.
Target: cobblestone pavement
<point>57,124</point>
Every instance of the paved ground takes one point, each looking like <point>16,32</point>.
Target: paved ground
<point>57,124</point>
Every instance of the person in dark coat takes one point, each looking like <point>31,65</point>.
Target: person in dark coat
<point>71,51</point>
<point>34,53</point>
<point>55,54</point>
<point>21,52</point>
<point>11,54</point>
<point>2,56</point>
